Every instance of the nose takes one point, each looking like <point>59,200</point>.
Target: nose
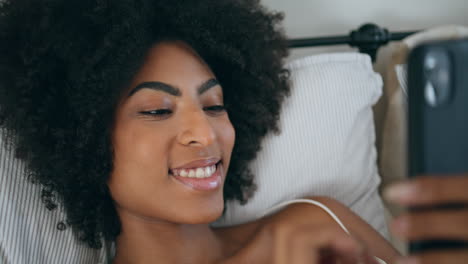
<point>196,130</point>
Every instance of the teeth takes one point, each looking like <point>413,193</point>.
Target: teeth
<point>191,173</point>
<point>200,173</point>
<point>204,172</point>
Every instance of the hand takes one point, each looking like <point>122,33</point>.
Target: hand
<point>309,244</point>
<point>449,224</point>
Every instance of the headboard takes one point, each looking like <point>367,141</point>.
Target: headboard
<point>368,38</point>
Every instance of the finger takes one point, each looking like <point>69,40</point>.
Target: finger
<point>341,248</point>
<point>429,190</point>
<point>330,243</point>
<point>301,251</point>
<point>437,257</point>
<point>297,245</point>
<point>441,224</point>
<point>302,244</point>
<point>348,250</point>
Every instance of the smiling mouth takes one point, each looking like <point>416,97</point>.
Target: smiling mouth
<point>203,178</point>
<point>199,173</point>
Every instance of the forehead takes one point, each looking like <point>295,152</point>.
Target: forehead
<point>175,63</point>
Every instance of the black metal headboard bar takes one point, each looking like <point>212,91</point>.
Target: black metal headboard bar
<point>368,39</point>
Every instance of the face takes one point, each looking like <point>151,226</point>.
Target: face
<point>172,140</point>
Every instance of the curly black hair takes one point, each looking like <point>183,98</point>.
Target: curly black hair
<point>64,65</point>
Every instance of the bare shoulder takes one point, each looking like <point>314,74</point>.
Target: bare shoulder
<point>253,240</point>
<point>356,226</point>
<point>293,214</point>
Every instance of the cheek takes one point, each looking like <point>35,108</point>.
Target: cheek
<point>140,147</point>
<point>227,136</point>
<point>140,161</point>
<point>139,180</point>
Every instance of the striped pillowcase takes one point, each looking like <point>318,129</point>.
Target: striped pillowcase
<point>29,233</point>
<point>327,141</point>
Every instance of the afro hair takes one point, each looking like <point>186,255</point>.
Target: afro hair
<point>65,64</point>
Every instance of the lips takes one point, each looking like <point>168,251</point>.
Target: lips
<point>199,163</point>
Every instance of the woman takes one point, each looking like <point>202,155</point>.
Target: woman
<point>140,117</point>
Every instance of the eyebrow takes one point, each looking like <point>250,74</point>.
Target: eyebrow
<point>167,88</point>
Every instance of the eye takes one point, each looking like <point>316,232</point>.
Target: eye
<point>157,112</point>
<point>215,109</point>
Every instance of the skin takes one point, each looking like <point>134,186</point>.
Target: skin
<point>163,219</point>
<point>432,224</point>
<point>155,209</point>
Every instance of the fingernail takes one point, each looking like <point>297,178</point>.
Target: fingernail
<point>400,192</point>
<point>408,260</point>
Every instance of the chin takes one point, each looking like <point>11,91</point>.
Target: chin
<point>204,214</point>
<point>203,219</point>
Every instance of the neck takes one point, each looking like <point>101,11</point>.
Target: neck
<point>150,241</point>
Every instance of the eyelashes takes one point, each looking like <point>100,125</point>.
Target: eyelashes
<point>216,108</point>
<point>161,113</point>
<point>157,112</point>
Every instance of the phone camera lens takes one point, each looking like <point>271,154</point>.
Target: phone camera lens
<point>430,63</point>
<point>437,70</point>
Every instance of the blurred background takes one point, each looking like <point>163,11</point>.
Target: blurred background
<point>315,18</point>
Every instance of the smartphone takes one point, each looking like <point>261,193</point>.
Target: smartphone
<point>438,118</point>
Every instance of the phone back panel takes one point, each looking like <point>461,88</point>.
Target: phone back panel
<point>438,130</point>
<point>438,120</point>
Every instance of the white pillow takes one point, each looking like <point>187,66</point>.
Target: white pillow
<point>327,141</point>
<point>326,148</point>
<point>29,233</point>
